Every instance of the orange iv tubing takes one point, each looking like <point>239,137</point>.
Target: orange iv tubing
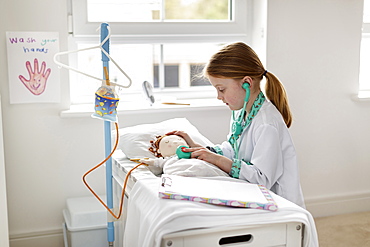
<point>124,185</point>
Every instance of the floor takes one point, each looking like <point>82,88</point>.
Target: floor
<point>348,230</point>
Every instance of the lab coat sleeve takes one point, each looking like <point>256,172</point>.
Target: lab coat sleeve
<point>266,164</point>
<point>226,150</point>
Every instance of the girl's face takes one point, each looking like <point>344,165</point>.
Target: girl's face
<point>230,91</point>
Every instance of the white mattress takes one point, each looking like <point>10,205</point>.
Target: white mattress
<point>150,218</point>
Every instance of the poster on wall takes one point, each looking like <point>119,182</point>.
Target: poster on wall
<point>33,75</point>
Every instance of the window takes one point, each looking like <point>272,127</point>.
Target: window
<point>164,42</point>
<point>157,10</point>
<point>364,86</point>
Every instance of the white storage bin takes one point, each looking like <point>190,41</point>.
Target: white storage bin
<point>86,222</point>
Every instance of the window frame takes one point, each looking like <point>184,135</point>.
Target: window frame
<point>364,93</point>
<point>166,32</point>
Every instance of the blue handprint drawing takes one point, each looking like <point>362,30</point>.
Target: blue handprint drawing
<point>38,78</point>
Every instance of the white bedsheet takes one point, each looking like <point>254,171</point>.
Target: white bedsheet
<point>149,218</point>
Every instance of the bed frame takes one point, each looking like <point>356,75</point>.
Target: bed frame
<point>282,234</point>
<point>278,235</point>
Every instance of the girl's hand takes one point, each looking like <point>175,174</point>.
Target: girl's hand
<point>205,154</point>
<point>186,137</point>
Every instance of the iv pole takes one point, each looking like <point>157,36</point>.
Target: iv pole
<point>104,47</point>
<point>108,140</point>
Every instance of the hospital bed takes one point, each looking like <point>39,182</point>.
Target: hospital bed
<point>150,221</point>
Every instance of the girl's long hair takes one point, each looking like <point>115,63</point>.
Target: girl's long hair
<point>237,60</point>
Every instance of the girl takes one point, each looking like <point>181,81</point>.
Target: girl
<point>259,147</point>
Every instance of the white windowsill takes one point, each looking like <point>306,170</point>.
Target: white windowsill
<point>362,96</point>
<point>143,107</point>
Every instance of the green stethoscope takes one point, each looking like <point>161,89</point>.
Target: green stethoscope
<point>239,124</point>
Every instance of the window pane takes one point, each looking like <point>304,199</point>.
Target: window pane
<point>186,56</point>
<point>366,11</point>
<point>197,10</point>
<point>157,10</point>
<point>136,60</point>
<point>123,10</point>
<point>365,63</point>
<point>181,62</point>
<point>196,78</point>
<point>171,76</point>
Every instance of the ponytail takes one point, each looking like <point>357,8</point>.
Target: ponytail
<point>276,93</point>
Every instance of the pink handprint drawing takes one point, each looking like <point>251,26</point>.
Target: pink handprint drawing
<point>37,82</point>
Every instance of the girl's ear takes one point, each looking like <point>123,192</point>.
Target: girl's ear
<point>247,79</point>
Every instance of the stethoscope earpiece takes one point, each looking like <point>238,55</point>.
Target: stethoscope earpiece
<point>246,85</point>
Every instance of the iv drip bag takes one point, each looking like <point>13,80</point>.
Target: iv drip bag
<point>106,102</point>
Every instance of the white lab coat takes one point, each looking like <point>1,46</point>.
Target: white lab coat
<point>267,145</point>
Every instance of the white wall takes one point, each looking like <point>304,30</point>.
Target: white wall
<point>4,231</point>
<point>313,46</point>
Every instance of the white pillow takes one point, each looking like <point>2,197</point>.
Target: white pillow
<point>135,141</point>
